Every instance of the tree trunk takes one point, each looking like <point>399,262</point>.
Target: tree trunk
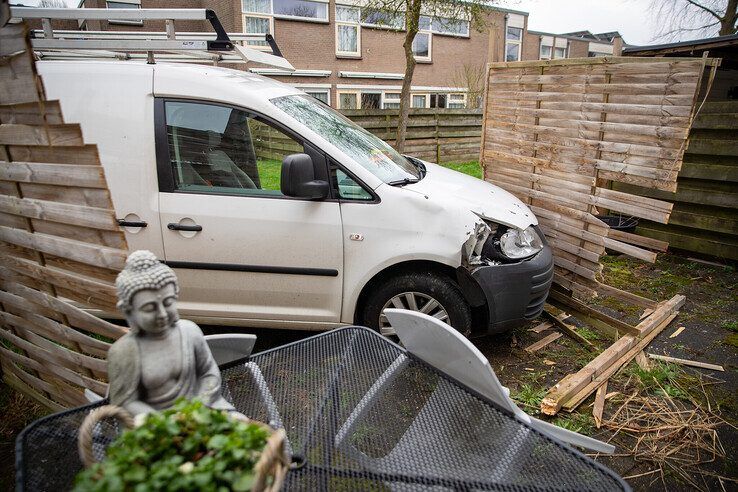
<point>411,25</point>
<point>727,23</point>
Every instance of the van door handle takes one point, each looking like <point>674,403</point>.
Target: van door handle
<point>132,223</point>
<point>173,226</point>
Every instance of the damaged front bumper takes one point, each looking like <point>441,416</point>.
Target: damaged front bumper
<point>513,292</point>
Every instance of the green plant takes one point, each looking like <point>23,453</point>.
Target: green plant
<point>663,378</point>
<point>731,325</point>
<point>530,396</point>
<point>188,447</point>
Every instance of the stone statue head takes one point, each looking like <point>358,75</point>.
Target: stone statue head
<point>147,293</point>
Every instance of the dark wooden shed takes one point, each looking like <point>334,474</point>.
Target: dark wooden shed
<point>705,214</point>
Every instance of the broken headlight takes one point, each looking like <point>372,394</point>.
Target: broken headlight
<point>518,244</point>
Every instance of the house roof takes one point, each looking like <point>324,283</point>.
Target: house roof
<point>729,41</point>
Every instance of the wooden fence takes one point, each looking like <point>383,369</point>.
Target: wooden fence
<point>436,135</point>
<point>558,132</point>
<point>705,214</point>
<point>59,241</point>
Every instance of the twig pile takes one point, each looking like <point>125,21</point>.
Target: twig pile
<point>669,434</point>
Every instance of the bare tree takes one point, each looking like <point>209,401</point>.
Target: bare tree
<point>407,13</point>
<point>53,4</point>
<point>694,18</point>
<point>471,77</point>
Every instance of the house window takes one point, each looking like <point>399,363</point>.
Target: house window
<point>438,101</point>
<point>457,101</point>
<point>302,9</point>
<point>348,100</point>
<point>391,100</point>
<point>258,15</point>
<point>422,46</point>
<point>545,52</point>
<point>322,95</point>
<point>373,17</point>
<point>559,52</point>
<point>450,27</point>
<point>419,100</point>
<point>513,42</point>
<point>124,4</point>
<point>348,31</point>
<point>371,100</point>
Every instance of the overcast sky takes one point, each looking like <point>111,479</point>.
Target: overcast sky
<point>631,18</point>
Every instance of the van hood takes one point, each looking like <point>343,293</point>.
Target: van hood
<point>484,199</point>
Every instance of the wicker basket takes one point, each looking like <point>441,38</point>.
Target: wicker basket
<point>270,470</point>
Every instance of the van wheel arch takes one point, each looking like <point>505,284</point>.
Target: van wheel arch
<point>479,313</point>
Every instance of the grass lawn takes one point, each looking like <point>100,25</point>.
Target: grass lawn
<point>472,168</point>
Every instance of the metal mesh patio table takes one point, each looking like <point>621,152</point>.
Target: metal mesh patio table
<point>360,414</point>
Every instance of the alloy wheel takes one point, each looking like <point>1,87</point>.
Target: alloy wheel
<point>413,301</point>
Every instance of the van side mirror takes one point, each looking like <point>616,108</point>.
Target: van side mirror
<point>298,178</point>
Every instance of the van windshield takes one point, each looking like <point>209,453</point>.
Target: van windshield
<point>369,151</point>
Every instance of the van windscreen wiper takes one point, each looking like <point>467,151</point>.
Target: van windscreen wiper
<point>403,182</point>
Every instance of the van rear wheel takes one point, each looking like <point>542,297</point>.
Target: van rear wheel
<point>429,293</point>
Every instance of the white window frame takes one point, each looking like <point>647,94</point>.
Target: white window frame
<point>264,47</point>
<point>381,26</point>
<point>429,32</point>
<point>356,25</point>
<point>541,56</point>
<point>271,16</point>
<point>554,53</point>
<point>450,101</point>
<point>518,42</point>
<point>426,97</point>
<point>354,92</point>
<point>392,100</point>
<point>134,4</point>
<point>445,33</point>
<point>322,90</point>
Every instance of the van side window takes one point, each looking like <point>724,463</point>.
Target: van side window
<point>221,150</point>
<point>348,189</point>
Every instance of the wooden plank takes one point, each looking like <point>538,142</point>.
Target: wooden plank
<point>646,242</point>
<point>587,390</point>
<point>97,218</point>
<point>685,362</point>
<point>18,81</point>
<point>12,380</point>
<point>589,311</point>
<point>82,252</point>
<point>13,39</point>
<point>542,342</point>
<point>613,355</point>
<point>48,113</point>
<point>78,317</point>
<point>61,392</point>
<point>83,154</point>
<point>643,361</point>
<point>57,353</point>
<point>49,368</point>
<point>622,295</point>
<point>87,289</point>
<point>51,329</point>
<point>569,330</point>
<point>56,174</point>
<point>599,404</point>
<point>53,135</point>
<point>634,251</point>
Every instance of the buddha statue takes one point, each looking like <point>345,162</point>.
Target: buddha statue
<point>162,357</point>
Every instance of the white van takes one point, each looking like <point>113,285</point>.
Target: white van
<point>277,211</point>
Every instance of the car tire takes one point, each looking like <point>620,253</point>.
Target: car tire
<point>420,289</point>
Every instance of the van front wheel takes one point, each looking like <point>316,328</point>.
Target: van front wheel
<point>428,293</point>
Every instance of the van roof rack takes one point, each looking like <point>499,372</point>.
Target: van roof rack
<point>192,47</point>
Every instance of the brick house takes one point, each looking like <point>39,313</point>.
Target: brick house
<point>351,56</point>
